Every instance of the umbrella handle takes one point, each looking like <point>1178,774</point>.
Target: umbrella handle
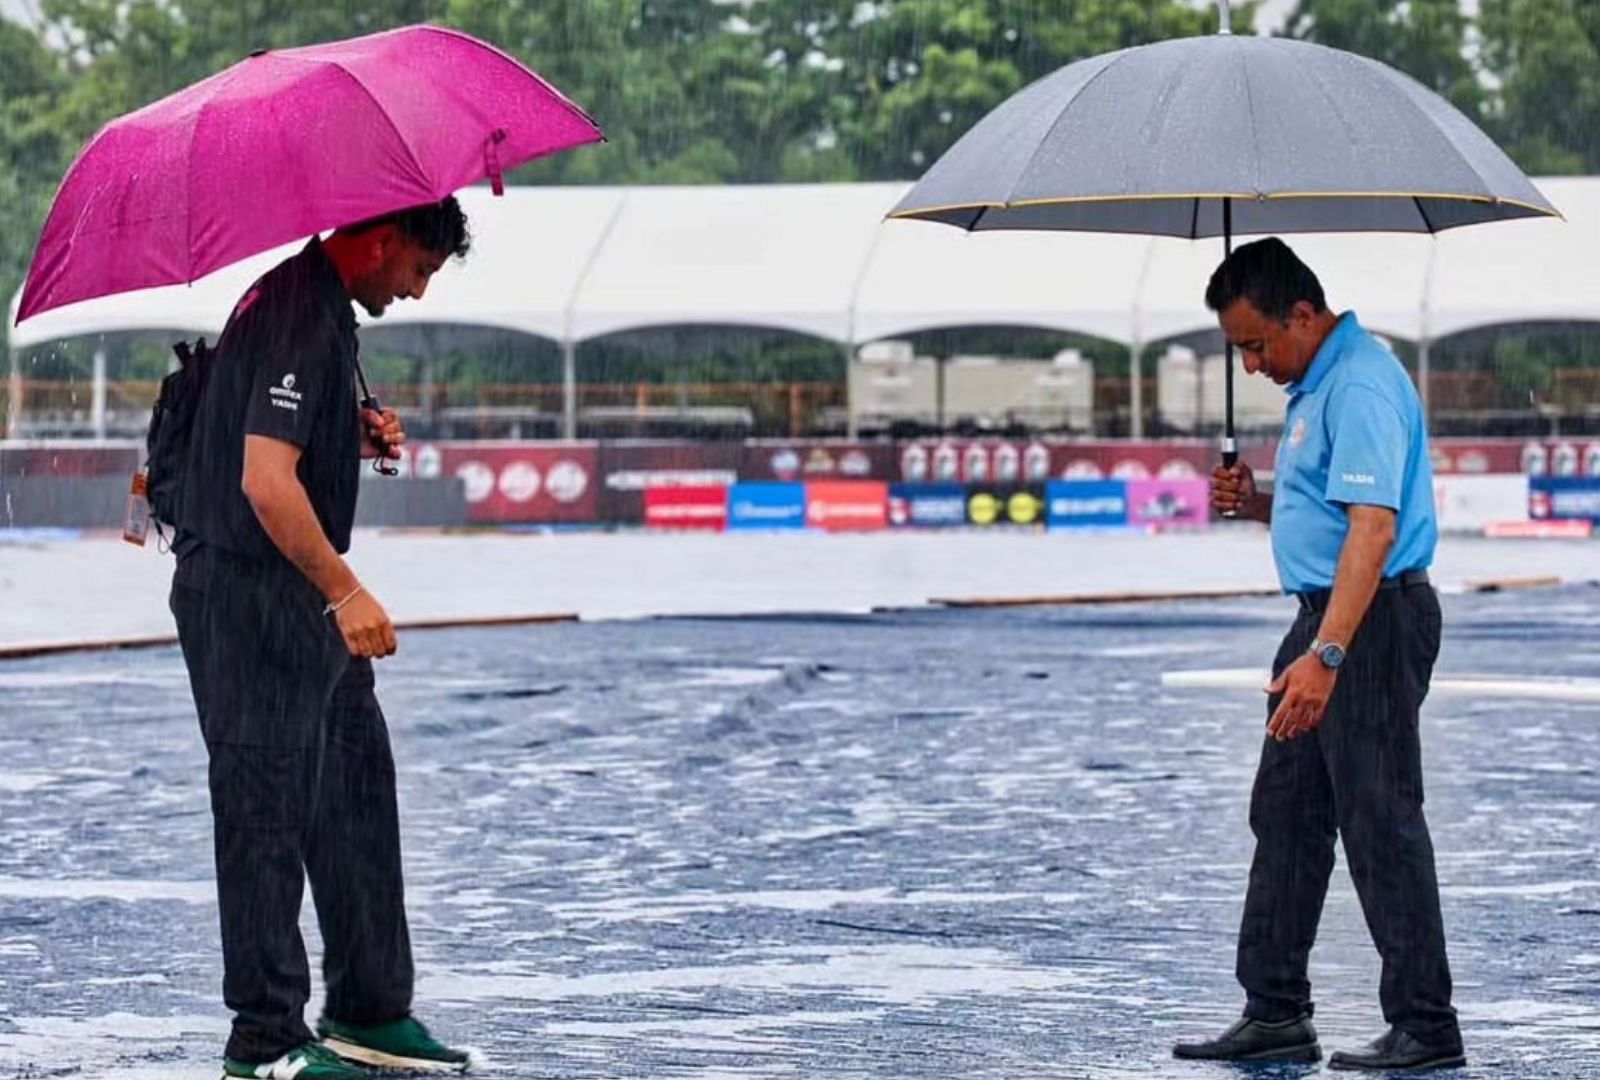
<point>380,464</point>
<point>1230,458</point>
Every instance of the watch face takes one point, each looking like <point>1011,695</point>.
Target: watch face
<point>1332,656</point>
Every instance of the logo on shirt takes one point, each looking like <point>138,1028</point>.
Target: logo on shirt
<point>1358,478</point>
<point>246,302</point>
<point>1297,434</point>
<point>286,396</point>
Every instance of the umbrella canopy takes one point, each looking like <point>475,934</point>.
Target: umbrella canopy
<point>1218,135</point>
<point>285,144</point>
<point>1291,136</point>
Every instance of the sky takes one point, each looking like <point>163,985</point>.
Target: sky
<point>21,10</point>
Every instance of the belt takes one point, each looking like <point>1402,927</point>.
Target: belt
<point>1317,599</point>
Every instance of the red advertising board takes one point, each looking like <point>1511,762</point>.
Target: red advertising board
<point>686,507</point>
<point>847,505</point>
<point>1013,462</point>
<point>606,480</point>
<point>515,481</point>
<point>65,459</point>
<point>790,460</point>
<point>628,469</point>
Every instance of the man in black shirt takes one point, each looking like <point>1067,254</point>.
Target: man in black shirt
<point>279,638</point>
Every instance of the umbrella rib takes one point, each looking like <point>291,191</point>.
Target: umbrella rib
<point>572,106</point>
<point>387,119</point>
<point>1422,212</point>
<point>1434,127</point>
<point>1061,116</point>
<point>1250,110</point>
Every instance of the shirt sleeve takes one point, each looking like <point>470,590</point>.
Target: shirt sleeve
<point>1368,461</point>
<point>293,358</point>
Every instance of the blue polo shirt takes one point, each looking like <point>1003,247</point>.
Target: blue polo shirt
<point>1353,435</point>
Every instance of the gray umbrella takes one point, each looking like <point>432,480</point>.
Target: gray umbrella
<point>1212,136</point>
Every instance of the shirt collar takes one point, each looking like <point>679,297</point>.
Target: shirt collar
<point>1336,342</point>
<point>329,284</point>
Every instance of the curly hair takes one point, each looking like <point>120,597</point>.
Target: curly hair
<point>440,227</point>
<point>1270,275</point>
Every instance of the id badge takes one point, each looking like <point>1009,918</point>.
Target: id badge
<point>136,521</point>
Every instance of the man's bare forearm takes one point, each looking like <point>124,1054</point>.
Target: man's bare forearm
<point>285,512</point>
<point>1355,583</point>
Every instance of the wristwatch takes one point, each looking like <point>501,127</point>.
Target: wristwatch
<point>1331,653</point>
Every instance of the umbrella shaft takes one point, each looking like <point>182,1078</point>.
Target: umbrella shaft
<point>1229,448</point>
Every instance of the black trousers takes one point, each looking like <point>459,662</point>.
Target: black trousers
<point>1357,776</point>
<point>302,786</point>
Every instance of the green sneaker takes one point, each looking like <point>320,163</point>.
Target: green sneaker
<point>398,1044</point>
<point>313,1061</point>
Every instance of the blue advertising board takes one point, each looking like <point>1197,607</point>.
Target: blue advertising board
<point>1083,504</point>
<point>927,506</point>
<point>758,505</point>
<point>1564,498</point>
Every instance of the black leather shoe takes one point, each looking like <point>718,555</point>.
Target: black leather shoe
<point>1399,1050</point>
<point>1258,1040</point>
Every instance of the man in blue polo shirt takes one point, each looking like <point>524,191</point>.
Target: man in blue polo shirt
<point>1353,532</point>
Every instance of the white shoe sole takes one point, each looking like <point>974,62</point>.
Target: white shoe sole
<point>377,1059</point>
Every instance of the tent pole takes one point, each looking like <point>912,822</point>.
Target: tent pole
<point>14,396</point>
<point>97,393</point>
<point>1424,370</point>
<point>1136,389</point>
<point>851,424</point>
<point>569,390</point>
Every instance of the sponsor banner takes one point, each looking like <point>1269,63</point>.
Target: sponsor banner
<point>1168,503</point>
<point>847,505</point>
<point>1560,457</point>
<point>1481,457</point>
<point>791,460</point>
<point>1134,461</point>
<point>1087,504</point>
<point>1006,463</point>
<point>986,461</point>
<point>1005,506</point>
<point>65,459</point>
<point>1472,503</point>
<point>762,505</point>
<point>1539,530</point>
<point>514,481</point>
<point>1564,498</point>
<point>927,506</point>
<point>686,508</point>
<point>1577,456</point>
<point>628,468</point>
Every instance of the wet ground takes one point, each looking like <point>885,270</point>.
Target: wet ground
<point>932,844</point>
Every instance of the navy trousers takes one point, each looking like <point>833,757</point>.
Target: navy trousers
<point>302,788</point>
<point>1357,776</point>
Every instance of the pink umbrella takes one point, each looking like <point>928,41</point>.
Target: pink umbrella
<point>286,144</point>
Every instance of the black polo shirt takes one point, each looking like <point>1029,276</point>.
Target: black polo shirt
<point>285,368</point>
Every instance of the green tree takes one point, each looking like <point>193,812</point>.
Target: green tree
<point>905,78</point>
<point>32,151</point>
<point>1426,39</point>
<point>1546,57</point>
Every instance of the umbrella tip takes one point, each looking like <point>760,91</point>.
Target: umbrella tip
<point>257,52</point>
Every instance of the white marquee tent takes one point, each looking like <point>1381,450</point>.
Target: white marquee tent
<point>573,264</point>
